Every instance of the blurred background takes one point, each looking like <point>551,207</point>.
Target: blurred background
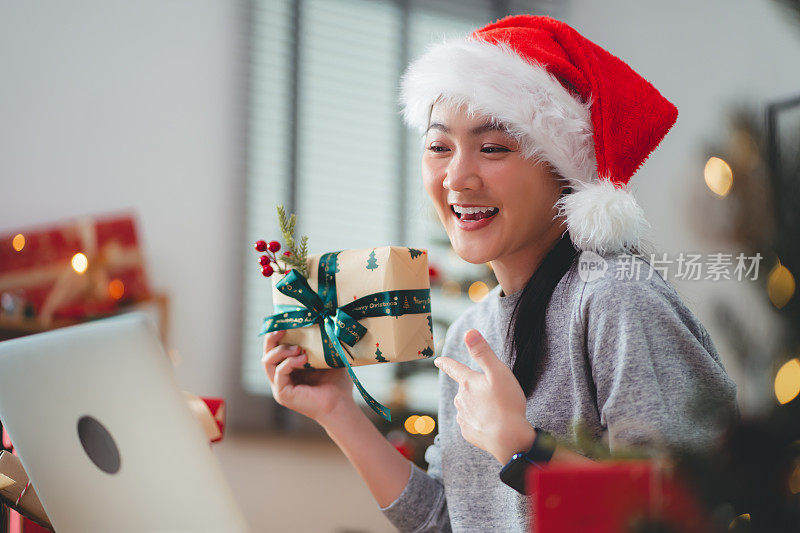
<point>155,139</point>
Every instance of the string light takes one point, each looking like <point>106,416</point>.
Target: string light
<point>787,381</point>
<point>116,289</point>
<point>424,425</point>
<point>718,176</point>
<point>18,242</point>
<point>451,288</point>
<point>738,520</point>
<point>794,479</point>
<point>80,263</point>
<point>780,285</point>
<point>410,424</point>
<point>478,291</point>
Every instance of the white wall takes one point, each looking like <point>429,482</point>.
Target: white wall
<point>107,105</point>
<point>703,57</point>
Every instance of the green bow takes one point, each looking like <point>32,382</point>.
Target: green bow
<point>340,323</point>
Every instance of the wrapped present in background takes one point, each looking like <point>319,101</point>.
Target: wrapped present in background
<point>16,490</point>
<point>83,267</point>
<point>210,412</point>
<point>613,497</point>
<point>357,307</point>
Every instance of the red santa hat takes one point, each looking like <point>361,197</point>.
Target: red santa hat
<point>568,101</point>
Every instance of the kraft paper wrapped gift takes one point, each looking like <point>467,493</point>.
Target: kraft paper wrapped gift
<point>357,307</point>
<point>17,493</point>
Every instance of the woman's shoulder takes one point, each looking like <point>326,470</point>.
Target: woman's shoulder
<point>621,278</point>
<point>624,287</point>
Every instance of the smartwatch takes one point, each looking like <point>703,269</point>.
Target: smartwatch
<point>513,473</point>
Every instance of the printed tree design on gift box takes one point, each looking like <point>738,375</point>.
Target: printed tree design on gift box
<point>415,253</point>
<point>430,325</point>
<point>379,355</point>
<point>427,352</point>
<point>372,262</point>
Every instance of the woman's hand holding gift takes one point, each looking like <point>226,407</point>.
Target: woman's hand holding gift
<point>315,393</point>
<point>490,405</point>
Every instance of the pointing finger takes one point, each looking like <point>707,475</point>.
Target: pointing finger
<point>458,371</point>
<point>483,354</point>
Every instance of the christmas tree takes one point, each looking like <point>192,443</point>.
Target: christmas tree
<point>379,354</point>
<point>372,263</point>
<point>414,253</point>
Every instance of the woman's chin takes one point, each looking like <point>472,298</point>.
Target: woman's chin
<point>473,253</point>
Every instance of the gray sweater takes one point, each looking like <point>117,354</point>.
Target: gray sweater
<point>623,357</point>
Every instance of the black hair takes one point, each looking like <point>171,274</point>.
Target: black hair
<point>525,334</point>
<point>527,321</point>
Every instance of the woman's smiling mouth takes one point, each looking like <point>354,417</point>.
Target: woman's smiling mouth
<point>473,217</point>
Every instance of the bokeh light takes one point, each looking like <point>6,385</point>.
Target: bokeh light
<point>451,288</point>
<point>116,289</point>
<point>410,424</point>
<point>80,263</point>
<point>424,424</point>
<point>718,176</point>
<point>780,285</point>
<point>478,291</point>
<point>18,242</point>
<point>787,381</point>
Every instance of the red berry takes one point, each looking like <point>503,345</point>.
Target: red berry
<point>287,253</point>
<point>274,246</point>
<point>264,260</point>
<point>261,246</point>
<point>266,271</point>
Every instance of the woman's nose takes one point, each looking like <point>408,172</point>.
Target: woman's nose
<point>462,173</point>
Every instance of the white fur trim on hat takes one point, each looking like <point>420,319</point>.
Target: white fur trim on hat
<point>602,217</point>
<point>494,80</point>
<point>550,124</point>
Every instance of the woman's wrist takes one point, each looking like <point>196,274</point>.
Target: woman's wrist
<point>519,439</point>
<point>340,416</point>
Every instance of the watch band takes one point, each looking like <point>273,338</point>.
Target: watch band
<point>540,452</point>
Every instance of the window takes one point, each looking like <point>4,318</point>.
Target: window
<point>327,141</point>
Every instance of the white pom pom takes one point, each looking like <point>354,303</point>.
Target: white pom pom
<point>602,218</point>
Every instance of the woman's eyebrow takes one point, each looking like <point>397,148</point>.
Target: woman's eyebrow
<point>488,126</point>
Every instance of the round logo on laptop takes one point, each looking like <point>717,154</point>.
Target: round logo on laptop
<point>98,444</point>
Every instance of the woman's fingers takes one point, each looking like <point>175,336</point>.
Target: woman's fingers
<point>272,339</point>
<point>283,371</point>
<point>276,355</point>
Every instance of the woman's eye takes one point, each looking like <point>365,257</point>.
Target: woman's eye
<point>437,149</point>
<point>494,149</point>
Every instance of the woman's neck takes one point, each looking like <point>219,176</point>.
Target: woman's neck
<point>514,270</point>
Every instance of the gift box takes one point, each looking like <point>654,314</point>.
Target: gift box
<point>210,412</point>
<point>16,491</point>
<point>612,497</point>
<point>83,267</point>
<point>357,307</point>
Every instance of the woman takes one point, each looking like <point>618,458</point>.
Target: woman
<point>531,134</point>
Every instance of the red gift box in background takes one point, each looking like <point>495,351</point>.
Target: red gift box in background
<point>611,497</point>
<point>41,268</point>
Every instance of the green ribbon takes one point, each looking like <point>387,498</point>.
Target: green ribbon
<point>340,323</point>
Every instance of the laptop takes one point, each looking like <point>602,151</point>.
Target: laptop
<point>105,434</point>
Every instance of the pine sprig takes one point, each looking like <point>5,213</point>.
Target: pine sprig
<point>299,255</point>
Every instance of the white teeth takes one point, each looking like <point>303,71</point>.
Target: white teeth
<point>472,210</point>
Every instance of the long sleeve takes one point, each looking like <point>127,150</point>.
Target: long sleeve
<point>651,361</point>
<point>421,507</point>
